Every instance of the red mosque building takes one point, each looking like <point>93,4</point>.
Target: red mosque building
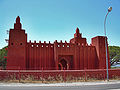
<point>75,55</point>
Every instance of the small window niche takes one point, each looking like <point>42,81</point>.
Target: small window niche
<point>11,43</point>
<point>20,43</point>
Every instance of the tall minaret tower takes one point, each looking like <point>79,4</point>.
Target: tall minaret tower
<point>17,25</point>
<point>16,57</point>
<point>78,38</point>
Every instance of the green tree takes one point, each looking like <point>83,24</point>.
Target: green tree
<point>114,52</point>
<point>3,53</point>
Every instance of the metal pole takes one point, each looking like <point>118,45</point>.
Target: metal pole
<point>109,10</point>
<point>106,46</point>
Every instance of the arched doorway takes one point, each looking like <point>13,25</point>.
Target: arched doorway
<point>63,65</point>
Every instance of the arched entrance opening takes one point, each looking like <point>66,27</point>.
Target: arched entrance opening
<point>63,65</point>
<point>60,66</point>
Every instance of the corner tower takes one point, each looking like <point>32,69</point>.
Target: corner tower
<point>16,57</point>
<point>99,43</point>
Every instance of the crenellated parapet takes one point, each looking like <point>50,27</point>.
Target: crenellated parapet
<point>62,44</point>
<point>66,44</point>
<point>40,45</point>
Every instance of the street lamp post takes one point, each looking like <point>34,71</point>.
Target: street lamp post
<point>109,10</point>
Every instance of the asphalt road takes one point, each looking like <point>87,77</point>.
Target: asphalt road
<point>84,87</point>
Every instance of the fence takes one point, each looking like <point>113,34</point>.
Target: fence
<point>51,76</point>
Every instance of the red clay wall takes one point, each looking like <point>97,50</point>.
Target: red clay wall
<point>40,55</point>
<point>84,57</point>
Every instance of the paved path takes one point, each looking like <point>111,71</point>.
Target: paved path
<point>63,86</point>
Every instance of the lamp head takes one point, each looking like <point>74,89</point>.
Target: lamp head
<point>109,9</point>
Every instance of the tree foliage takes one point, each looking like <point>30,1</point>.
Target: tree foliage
<point>3,54</point>
<point>114,52</point>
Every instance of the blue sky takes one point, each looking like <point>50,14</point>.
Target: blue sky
<point>49,20</point>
